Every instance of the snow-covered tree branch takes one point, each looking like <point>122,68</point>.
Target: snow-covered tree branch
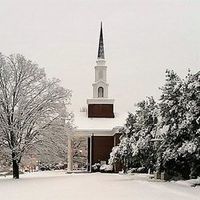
<point>166,135</point>
<point>30,105</point>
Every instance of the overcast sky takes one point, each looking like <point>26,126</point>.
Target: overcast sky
<point>142,39</point>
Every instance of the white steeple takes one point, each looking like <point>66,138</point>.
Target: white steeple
<point>100,87</point>
<point>100,105</point>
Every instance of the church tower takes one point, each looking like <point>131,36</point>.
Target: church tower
<point>100,106</point>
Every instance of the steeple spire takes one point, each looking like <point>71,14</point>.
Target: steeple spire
<point>101,46</point>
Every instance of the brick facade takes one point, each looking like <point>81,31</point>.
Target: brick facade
<point>100,111</point>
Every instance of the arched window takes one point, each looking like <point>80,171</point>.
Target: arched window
<point>100,92</point>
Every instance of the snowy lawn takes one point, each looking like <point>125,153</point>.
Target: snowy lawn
<point>58,185</point>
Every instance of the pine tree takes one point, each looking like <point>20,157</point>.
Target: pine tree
<point>123,151</point>
<point>136,148</point>
<point>147,126</point>
<point>179,113</point>
<point>190,125</point>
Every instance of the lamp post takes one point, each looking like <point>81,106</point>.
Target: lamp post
<point>125,161</point>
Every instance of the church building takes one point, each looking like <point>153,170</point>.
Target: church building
<point>99,122</point>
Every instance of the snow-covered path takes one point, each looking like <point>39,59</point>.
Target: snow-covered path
<point>61,186</point>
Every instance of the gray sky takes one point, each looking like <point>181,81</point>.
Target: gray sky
<point>142,38</point>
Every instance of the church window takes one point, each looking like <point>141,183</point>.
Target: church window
<point>100,92</point>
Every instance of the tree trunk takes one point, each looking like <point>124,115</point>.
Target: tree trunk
<point>15,167</point>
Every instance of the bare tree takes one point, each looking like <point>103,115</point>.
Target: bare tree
<point>30,104</point>
<point>52,147</point>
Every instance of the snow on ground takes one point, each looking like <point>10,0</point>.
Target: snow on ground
<point>58,185</point>
<point>191,182</point>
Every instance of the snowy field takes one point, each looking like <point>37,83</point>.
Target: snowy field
<point>58,185</point>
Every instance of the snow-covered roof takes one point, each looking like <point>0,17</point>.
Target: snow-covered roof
<point>85,124</point>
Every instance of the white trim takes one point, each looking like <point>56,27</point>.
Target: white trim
<point>91,153</point>
<point>101,62</point>
<point>100,66</point>
<point>100,101</point>
<point>96,132</point>
<point>99,82</point>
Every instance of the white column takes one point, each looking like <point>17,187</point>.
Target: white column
<point>70,156</point>
<point>91,147</point>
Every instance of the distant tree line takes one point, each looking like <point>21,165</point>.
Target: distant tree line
<point>164,136</point>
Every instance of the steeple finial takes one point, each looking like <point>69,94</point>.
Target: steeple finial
<point>101,46</point>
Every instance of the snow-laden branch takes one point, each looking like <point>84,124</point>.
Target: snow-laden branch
<point>30,104</point>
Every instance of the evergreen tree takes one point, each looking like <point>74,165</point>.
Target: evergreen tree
<point>147,126</point>
<point>165,136</point>
<point>179,113</point>
<point>136,148</point>
<point>123,151</point>
<point>190,125</point>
